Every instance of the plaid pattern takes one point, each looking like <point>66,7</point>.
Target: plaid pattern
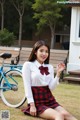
<point>43,99</point>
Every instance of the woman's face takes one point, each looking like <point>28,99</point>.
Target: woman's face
<point>42,54</point>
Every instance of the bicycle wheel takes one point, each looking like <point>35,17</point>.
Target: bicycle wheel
<point>14,97</point>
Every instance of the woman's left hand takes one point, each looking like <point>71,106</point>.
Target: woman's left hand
<point>60,68</point>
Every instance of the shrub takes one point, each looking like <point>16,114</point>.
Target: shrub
<point>6,38</point>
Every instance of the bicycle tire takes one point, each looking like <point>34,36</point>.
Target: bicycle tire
<point>11,97</point>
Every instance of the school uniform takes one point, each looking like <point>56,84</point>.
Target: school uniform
<point>38,82</point>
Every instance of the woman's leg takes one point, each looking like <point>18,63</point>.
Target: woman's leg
<point>51,114</point>
<point>66,114</point>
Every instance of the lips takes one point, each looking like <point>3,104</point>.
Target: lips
<point>43,57</point>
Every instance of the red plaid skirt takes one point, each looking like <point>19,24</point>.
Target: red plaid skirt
<point>43,100</point>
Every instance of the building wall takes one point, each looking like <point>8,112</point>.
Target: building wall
<point>46,35</point>
<point>74,51</point>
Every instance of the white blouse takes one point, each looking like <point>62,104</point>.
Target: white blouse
<point>32,77</point>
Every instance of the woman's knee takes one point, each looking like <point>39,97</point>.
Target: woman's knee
<point>65,114</point>
<point>60,116</point>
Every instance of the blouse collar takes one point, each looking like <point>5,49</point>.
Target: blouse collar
<point>38,64</point>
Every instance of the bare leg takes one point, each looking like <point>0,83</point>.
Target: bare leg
<point>51,114</point>
<point>66,114</point>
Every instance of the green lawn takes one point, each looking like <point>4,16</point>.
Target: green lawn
<point>68,95</point>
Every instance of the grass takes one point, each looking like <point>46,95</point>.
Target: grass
<point>68,95</point>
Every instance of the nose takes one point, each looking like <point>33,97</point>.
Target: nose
<point>44,53</point>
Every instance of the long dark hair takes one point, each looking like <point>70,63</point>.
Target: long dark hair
<point>36,46</point>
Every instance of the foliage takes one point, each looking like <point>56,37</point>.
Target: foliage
<point>47,12</point>
<point>11,18</point>
<point>6,38</point>
<point>13,24</point>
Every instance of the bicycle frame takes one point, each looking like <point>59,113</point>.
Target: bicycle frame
<point>11,67</point>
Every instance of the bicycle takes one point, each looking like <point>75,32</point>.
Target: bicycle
<point>11,84</point>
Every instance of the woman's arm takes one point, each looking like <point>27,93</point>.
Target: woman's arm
<point>55,81</point>
<point>26,74</point>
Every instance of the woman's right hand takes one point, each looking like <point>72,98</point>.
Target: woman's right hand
<point>33,110</point>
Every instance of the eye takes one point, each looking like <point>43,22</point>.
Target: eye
<point>46,51</point>
<point>41,50</point>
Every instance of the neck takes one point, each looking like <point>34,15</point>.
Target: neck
<point>40,62</point>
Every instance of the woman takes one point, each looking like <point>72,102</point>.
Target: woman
<point>38,76</point>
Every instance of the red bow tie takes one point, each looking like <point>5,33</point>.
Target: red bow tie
<point>43,70</point>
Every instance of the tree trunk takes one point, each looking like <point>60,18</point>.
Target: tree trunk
<point>2,17</point>
<point>52,37</point>
<point>20,30</point>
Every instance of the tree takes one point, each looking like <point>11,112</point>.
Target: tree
<point>20,7</point>
<point>47,12</point>
<point>2,13</point>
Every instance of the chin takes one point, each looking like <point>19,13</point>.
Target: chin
<point>43,61</point>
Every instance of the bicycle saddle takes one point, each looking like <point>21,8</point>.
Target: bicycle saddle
<point>5,55</point>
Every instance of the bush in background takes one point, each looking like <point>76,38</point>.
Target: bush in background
<point>6,38</point>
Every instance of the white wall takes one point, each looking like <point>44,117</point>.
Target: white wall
<point>74,52</point>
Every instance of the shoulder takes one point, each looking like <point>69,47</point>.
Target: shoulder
<point>28,64</point>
